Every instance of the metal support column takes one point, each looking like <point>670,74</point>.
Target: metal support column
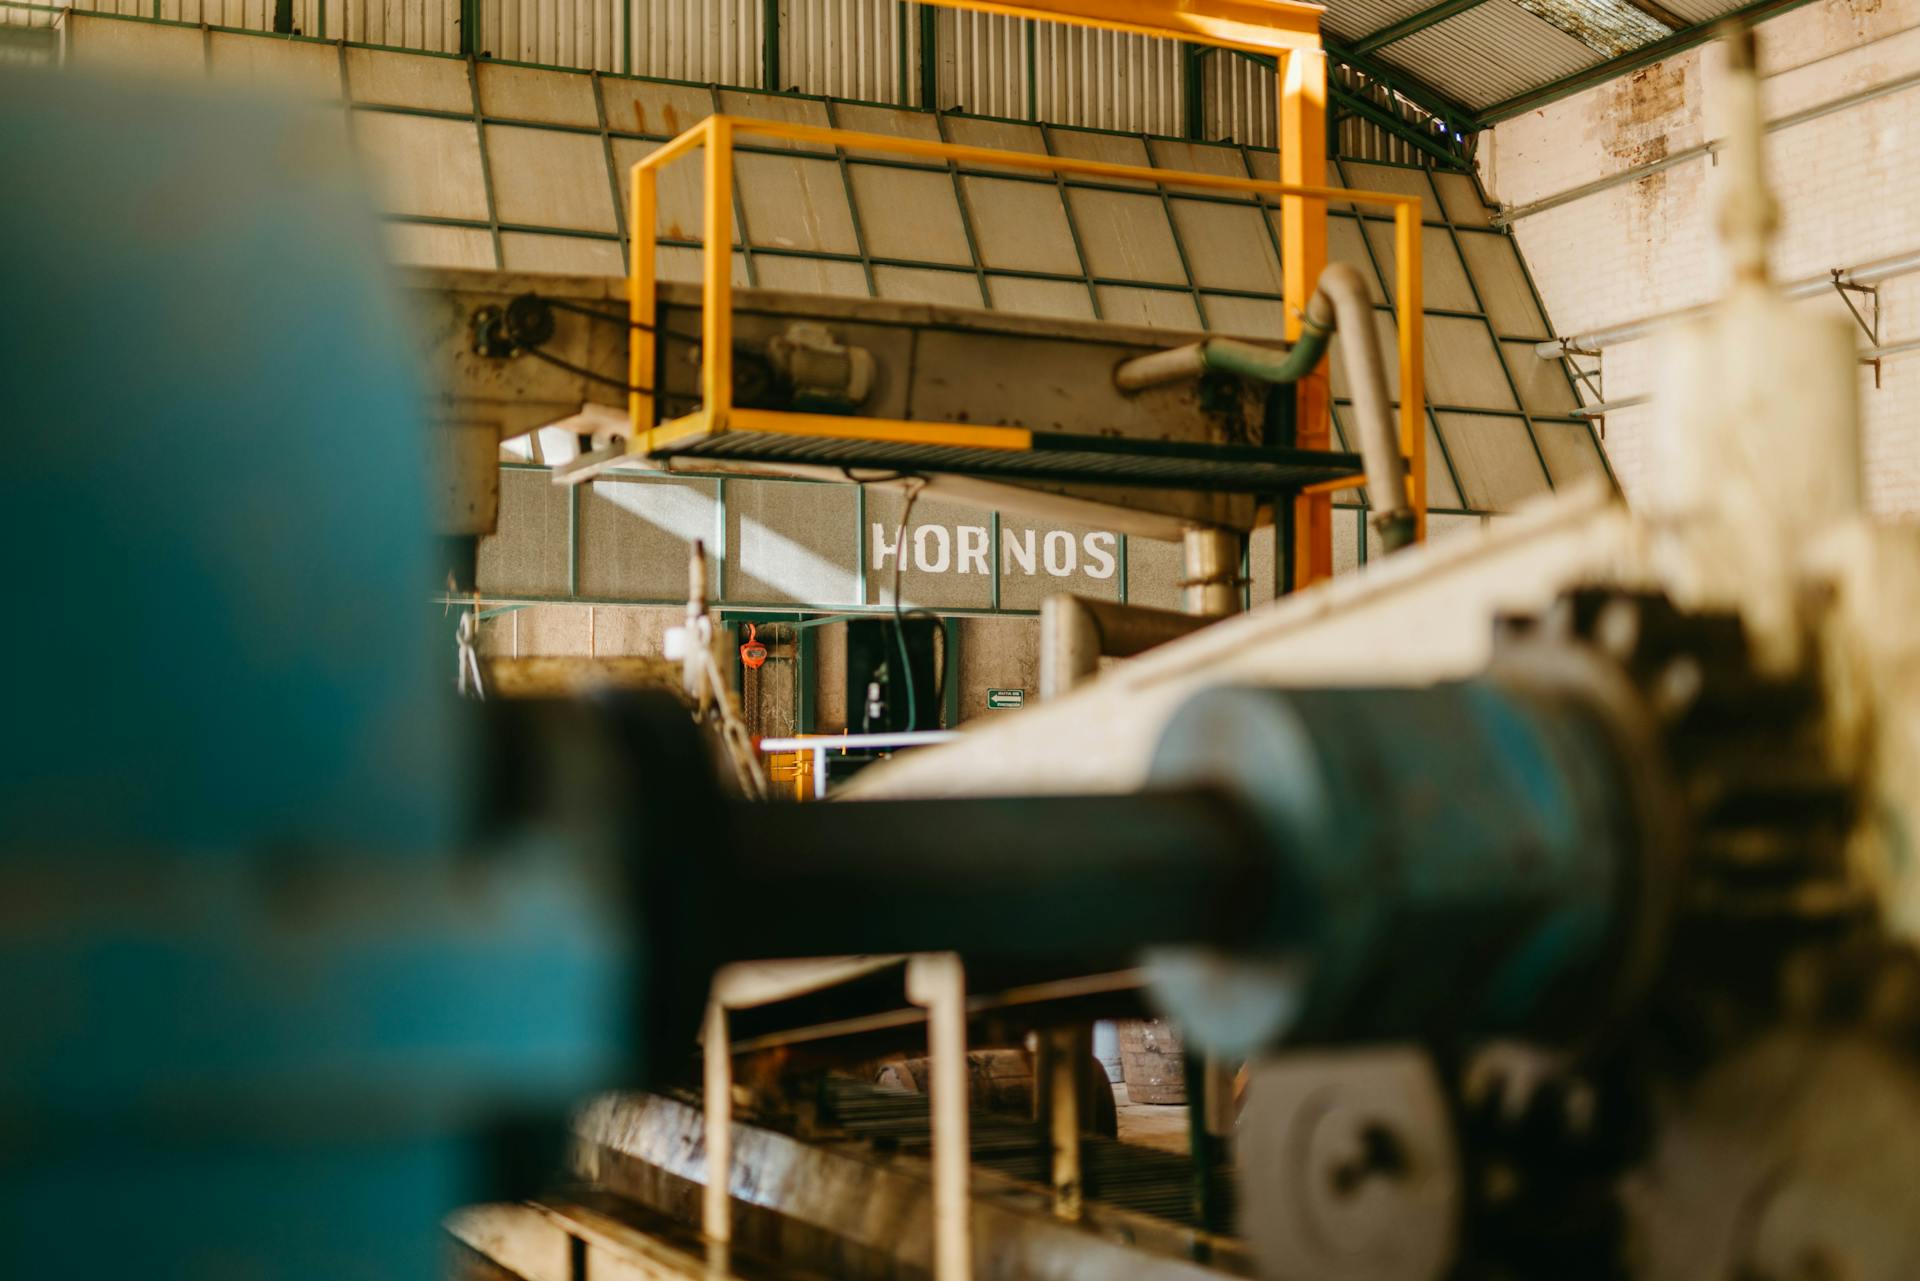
<point>938,984</point>
<point>1303,254</point>
<point>716,1218</point>
<point>1066,1053</point>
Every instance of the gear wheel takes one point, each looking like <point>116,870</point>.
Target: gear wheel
<point>1766,815</point>
<point>1752,895</point>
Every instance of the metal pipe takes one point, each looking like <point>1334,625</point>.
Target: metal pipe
<point>1749,214</point>
<point>1343,287</point>
<point>1210,578</point>
<point>841,742</point>
<point>1077,880</point>
<point>1076,632</point>
<point>1609,406</point>
<point>1341,301</point>
<point>716,1210</point>
<point>1225,355</point>
<point>1868,273</point>
<point>1891,349</point>
<point>1522,813</point>
<point>938,985</point>
<point>1067,1050</point>
<point>1508,217</point>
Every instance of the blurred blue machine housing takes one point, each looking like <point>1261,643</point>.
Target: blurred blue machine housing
<point>268,1008</point>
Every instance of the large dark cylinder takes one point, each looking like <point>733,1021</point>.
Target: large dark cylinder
<point>1356,863</point>
<point>1047,880</point>
<point>1459,859</point>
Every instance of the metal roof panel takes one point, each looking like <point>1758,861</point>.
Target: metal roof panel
<point>1699,12</point>
<point>1611,26</point>
<point>1489,53</point>
<point>1355,20</point>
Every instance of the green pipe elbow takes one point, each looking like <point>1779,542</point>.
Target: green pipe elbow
<point>1265,363</point>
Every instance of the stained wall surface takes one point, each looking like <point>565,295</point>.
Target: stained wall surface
<point>1842,88</point>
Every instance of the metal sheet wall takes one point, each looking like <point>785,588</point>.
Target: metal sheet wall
<point>983,63</point>
<point>1107,79</point>
<point>432,25</point>
<point>1239,103</point>
<point>706,41</point>
<point>1239,98</point>
<point>709,41</point>
<point>864,50</point>
<point>867,50</point>
<point>565,33</point>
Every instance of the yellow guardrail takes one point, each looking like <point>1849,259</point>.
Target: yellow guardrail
<point>716,136</point>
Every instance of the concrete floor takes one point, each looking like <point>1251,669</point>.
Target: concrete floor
<point>1151,1125</point>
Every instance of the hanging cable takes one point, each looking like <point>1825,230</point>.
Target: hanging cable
<point>899,616</point>
<point>586,373</point>
<point>940,668</point>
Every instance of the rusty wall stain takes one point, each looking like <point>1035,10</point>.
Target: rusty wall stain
<point>1641,113</point>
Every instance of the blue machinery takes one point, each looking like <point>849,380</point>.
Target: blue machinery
<point>271,999</point>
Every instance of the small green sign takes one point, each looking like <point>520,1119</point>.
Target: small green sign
<point>1005,700</point>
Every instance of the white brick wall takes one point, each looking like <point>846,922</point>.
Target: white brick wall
<point>1848,185</point>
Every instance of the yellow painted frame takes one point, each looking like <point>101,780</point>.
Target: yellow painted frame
<point>716,135</point>
<point>1290,31</point>
<point>1256,26</point>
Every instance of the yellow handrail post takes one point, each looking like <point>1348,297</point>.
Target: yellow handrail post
<point>1303,255</point>
<point>716,298</point>
<point>1413,399</point>
<point>642,297</point>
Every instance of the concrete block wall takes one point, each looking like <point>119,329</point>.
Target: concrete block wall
<point>1848,183</point>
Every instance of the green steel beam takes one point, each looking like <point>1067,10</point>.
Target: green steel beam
<point>1193,87</point>
<point>1434,103</point>
<point>1678,42</point>
<point>1425,97</point>
<point>469,27</point>
<point>1420,21</point>
<point>1073,226</point>
<point>1448,152</point>
<point>929,58</point>
<point>1033,70</point>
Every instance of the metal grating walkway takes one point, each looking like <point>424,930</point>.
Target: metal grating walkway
<point>1055,456</point>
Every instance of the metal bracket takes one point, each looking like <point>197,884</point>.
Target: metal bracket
<point>1871,328</point>
<point>1590,380</point>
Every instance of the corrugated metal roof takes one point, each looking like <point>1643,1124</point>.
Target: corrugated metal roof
<point>1495,57</point>
<point>1354,20</point>
<point>1702,11</point>
<point>1488,53</point>
<point>1609,26</point>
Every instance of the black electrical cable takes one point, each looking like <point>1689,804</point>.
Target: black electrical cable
<point>613,317</point>
<point>899,617</point>
<point>600,313</point>
<point>940,630</point>
<point>584,372</point>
